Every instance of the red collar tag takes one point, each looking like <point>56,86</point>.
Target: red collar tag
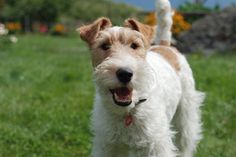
<point>128,120</point>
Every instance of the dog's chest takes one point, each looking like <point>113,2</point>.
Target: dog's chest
<point>133,135</point>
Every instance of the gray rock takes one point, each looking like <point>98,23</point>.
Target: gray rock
<point>215,32</point>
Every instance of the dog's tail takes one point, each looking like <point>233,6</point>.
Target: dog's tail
<point>164,17</point>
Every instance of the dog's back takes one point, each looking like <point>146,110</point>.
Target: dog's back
<point>186,115</point>
<point>173,70</point>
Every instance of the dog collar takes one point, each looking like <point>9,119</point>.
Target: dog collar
<point>140,101</point>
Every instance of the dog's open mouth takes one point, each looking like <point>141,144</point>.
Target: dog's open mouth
<point>122,96</point>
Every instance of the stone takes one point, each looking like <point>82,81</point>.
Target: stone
<point>214,32</point>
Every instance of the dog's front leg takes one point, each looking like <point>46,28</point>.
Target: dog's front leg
<point>164,146</point>
<point>105,149</point>
<point>166,149</point>
<point>140,152</point>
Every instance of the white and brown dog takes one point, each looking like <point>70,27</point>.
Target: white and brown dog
<point>146,103</point>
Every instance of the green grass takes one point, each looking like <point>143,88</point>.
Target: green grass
<point>46,98</point>
<point>47,93</point>
<point>217,77</point>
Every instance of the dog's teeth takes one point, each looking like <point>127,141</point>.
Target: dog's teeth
<point>116,97</point>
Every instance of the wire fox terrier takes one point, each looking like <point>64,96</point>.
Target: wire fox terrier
<point>146,103</point>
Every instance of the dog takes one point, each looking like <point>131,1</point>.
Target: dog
<point>146,104</point>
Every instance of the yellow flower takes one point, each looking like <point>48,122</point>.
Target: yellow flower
<point>60,28</point>
<point>13,26</point>
<point>151,19</point>
<point>179,24</point>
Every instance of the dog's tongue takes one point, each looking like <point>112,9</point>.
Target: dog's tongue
<point>123,92</point>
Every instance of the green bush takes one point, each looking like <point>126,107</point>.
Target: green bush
<point>51,11</point>
<point>90,10</point>
<point>189,7</point>
<point>193,7</point>
<point>37,10</point>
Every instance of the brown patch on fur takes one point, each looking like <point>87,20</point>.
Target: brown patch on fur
<point>169,54</point>
<point>98,56</point>
<point>146,30</point>
<point>119,40</point>
<point>89,32</point>
<point>120,44</point>
<point>164,43</point>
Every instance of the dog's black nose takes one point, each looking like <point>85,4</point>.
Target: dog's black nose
<point>124,75</point>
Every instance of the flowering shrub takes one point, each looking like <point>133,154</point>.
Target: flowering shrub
<point>179,24</point>
<point>43,28</point>
<point>14,27</point>
<point>6,40</point>
<point>59,29</point>
<point>151,19</point>
<point>3,30</point>
<point>40,27</point>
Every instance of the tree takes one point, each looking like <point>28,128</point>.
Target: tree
<point>39,10</point>
<point>200,1</point>
<point>29,11</point>
<point>1,4</point>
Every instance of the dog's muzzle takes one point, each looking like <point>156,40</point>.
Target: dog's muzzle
<point>122,96</point>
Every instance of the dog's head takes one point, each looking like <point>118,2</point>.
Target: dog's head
<point>122,75</point>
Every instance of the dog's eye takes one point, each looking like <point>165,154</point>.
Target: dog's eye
<point>134,46</point>
<point>105,46</point>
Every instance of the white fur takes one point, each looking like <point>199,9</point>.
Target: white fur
<point>168,123</point>
<point>164,24</point>
<point>171,101</point>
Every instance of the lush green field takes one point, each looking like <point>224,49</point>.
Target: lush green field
<point>47,93</point>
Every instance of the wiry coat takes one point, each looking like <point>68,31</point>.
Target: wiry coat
<point>172,101</point>
<point>162,117</point>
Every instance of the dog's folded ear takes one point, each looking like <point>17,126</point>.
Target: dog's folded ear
<point>89,32</point>
<point>146,30</point>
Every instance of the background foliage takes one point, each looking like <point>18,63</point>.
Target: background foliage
<point>51,11</point>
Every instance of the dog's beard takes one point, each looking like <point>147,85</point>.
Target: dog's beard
<point>122,98</point>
